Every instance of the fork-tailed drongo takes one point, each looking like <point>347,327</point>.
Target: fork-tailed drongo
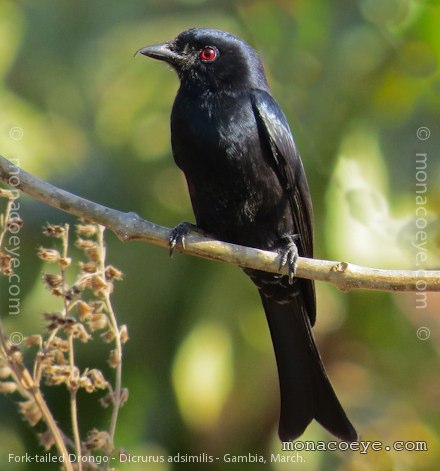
<point>247,186</point>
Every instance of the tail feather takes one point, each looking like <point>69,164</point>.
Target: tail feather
<point>306,392</point>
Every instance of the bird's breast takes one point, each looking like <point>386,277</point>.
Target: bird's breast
<point>215,136</point>
<point>232,184</point>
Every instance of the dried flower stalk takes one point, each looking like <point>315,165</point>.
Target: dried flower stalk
<point>86,308</point>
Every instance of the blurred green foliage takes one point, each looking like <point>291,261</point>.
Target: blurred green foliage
<point>357,80</point>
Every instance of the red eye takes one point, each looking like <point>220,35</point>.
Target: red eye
<point>208,54</point>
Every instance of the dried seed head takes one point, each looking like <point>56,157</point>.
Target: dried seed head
<point>107,400</point>
<point>65,262</point>
<point>108,336</point>
<point>114,359</point>
<point>33,340</point>
<point>98,282</point>
<point>72,293</point>
<point>46,358</point>
<point>99,286</point>
<point>52,316</point>
<point>15,355</point>
<point>97,322</point>
<point>54,320</point>
<point>52,326</point>
<point>52,281</point>
<point>73,381</point>
<point>86,230</point>
<point>103,293</point>
<point>123,397</point>
<point>84,282</point>
<point>86,383</point>
<point>123,334</point>
<point>97,379</point>
<point>94,254</point>
<point>68,323</point>
<point>98,440</point>
<point>112,273</point>
<point>30,411</point>
<point>49,369</point>
<point>7,387</point>
<point>54,231</point>
<point>98,306</point>
<point>62,370</point>
<point>84,310</point>
<point>56,375</point>
<point>58,321</point>
<point>55,380</point>
<point>59,357</point>
<point>46,440</point>
<point>5,264</point>
<point>49,255</point>
<point>79,332</point>
<point>85,244</point>
<point>88,267</point>
<point>56,342</point>
<point>57,292</point>
<point>5,372</point>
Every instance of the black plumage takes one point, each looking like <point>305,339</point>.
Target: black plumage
<point>247,186</point>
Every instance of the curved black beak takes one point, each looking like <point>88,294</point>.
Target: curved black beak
<point>161,52</point>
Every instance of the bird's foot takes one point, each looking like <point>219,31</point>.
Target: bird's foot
<point>178,235</point>
<point>289,255</point>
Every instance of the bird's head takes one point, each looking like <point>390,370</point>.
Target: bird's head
<point>211,59</point>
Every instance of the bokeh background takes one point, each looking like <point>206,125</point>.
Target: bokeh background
<point>357,80</point>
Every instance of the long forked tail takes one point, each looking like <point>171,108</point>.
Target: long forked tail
<point>306,392</point>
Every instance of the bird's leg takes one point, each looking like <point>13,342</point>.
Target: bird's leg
<point>179,233</point>
<point>289,254</point>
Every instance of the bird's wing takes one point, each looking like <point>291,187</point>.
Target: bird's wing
<point>288,166</point>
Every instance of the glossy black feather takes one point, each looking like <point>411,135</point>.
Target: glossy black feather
<point>247,186</point>
<point>291,174</point>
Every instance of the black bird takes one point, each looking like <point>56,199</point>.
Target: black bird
<point>247,186</point>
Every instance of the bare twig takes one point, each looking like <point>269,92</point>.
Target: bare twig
<point>129,226</point>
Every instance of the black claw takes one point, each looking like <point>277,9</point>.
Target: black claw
<point>178,235</point>
<point>289,255</point>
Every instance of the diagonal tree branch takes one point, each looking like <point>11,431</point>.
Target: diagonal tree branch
<point>129,226</point>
